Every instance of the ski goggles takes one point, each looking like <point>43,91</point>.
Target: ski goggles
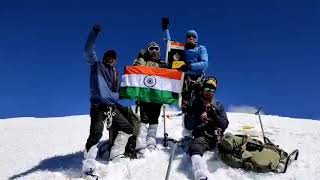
<point>209,90</point>
<point>153,48</point>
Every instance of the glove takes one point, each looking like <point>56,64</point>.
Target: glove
<point>184,68</point>
<point>96,28</point>
<point>212,113</point>
<point>164,23</point>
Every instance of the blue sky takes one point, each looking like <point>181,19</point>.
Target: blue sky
<point>262,52</point>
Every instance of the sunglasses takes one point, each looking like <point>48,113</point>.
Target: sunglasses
<point>154,48</point>
<point>209,90</point>
<point>191,36</point>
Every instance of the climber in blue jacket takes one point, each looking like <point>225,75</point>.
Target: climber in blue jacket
<point>196,62</point>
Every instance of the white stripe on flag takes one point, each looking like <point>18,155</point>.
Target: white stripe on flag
<point>176,47</point>
<point>154,82</point>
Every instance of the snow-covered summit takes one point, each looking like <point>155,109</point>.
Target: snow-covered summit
<point>50,148</point>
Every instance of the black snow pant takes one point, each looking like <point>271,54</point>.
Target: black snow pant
<point>97,114</point>
<point>149,112</point>
<point>201,144</point>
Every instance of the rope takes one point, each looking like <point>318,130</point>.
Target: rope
<point>109,117</point>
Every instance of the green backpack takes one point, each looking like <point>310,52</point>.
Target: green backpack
<point>135,122</point>
<point>241,151</point>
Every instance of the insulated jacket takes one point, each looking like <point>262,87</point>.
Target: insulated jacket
<point>196,57</point>
<point>103,77</point>
<point>143,60</point>
<point>216,115</point>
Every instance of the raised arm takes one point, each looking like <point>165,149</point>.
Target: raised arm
<point>89,52</point>
<point>164,25</point>
<point>203,63</point>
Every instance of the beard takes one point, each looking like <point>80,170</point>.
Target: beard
<point>154,56</point>
<point>190,45</point>
<point>207,96</point>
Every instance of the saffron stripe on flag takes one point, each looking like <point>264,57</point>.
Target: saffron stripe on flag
<point>152,71</point>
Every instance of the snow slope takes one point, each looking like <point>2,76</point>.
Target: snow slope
<point>50,148</point>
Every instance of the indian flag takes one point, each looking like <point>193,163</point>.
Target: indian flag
<point>150,84</point>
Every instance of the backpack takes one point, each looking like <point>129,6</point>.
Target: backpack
<point>242,151</point>
<point>135,121</point>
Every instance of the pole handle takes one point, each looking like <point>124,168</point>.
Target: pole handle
<point>258,111</point>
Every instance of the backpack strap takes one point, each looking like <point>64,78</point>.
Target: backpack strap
<point>272,146</point>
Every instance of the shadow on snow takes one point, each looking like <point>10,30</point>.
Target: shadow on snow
<point>69,163</point>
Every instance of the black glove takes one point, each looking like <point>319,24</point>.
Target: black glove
<point>184,68</point>
<point>164,23</point>
<point>212,112</point>
<point>96,28</point>
<point>210,108</point>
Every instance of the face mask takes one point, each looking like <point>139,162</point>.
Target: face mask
<point>154,53</point>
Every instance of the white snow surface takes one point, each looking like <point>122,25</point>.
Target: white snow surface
<point>51,148</point>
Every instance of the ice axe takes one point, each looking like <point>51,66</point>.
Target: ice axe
<point>258,113</point>
<point>165,134</point>
<point>165,141</point>
<point>175,145</point>
<point>292,156</point>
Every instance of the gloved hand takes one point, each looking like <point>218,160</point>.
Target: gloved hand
<point>96,28</point>
<point>164,23</point>
<point>211,109</point>
<point>184,68</point>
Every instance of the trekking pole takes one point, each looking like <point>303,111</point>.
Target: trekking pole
<point>165,134</point>
<point>137,107</point>
<point>175,144</point>
<point>167,42</point>
<point>258,113</point>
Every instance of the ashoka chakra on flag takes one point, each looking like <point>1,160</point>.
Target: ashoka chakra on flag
<point>150,84</point>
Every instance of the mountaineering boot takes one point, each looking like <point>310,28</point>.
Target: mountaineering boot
<point>141,143</point>
<point>89,163</point>
<point>151,136</point>
<point>119,146</point>
<point>199,167</point>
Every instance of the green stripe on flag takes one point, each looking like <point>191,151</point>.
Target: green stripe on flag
<point>149,95</point>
